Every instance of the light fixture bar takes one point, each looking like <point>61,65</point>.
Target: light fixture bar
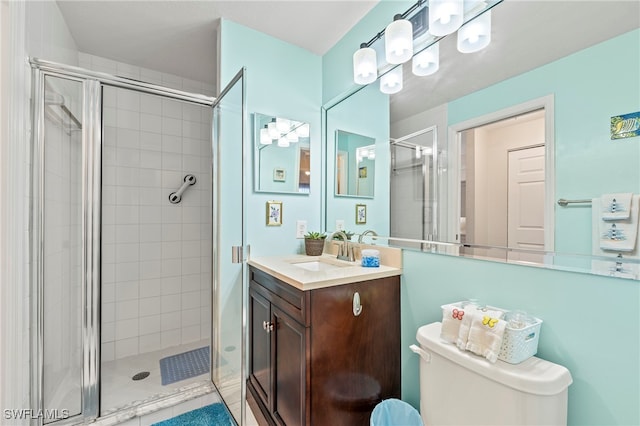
<point>450,15</point>
<point>402,16</point>
<point>417,5</point>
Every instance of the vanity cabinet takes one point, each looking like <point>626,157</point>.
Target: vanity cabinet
<point>312,361</point>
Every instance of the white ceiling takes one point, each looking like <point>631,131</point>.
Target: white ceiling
<point>179,37</point>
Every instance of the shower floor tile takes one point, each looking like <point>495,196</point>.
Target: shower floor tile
<point>118,389</point>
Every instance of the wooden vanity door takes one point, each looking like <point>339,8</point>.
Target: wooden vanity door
<point>260,354</point>
<point>356,358</point>
<point>289,355</point>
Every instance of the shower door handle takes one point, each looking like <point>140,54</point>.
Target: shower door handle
<point>239,254</point>
<point>236,254</point>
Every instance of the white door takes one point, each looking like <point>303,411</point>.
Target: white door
<point>525,219</point>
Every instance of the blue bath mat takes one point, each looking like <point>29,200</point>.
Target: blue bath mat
<point>215,414</point>
<point>185,365</point>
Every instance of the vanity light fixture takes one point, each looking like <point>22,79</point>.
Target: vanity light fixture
<point>292,137</point>
<point>445,17</point>
<point>283,142</point>
<point>427,62</point>
<point>475,35</point>
<point>303,130</point>
<point>391,82</point>
<point>273,131</point>
<point>365,152</point>
<point>283,131</point>
<point>398,40</point>
<point>283,125</point>
<point>365,65</point>
<point>265,137</point>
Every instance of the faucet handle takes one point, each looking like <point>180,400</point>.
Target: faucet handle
<point>352,255</point>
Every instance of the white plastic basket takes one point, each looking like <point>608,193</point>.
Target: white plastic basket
<point>519,344</point>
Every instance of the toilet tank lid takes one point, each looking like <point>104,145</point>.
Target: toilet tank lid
<point>535,376</point>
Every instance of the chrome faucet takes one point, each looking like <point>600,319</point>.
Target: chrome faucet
<point>345,251</point>
<point>367,232</point>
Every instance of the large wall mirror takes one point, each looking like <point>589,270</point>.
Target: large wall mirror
<point>355,131</point>
<point>355,165</point>
<point>282,155</point>
<point>494,139</point>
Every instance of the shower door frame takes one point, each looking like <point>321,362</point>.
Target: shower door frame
<point>91,238</point>
<point>427,234</point>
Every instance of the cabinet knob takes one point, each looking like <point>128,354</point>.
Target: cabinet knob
<point>267,326</point>
<point>357,307</point>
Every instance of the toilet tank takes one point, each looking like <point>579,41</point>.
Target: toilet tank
<point>460,388</point>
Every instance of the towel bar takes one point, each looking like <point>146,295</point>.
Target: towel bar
<point>562,202</point>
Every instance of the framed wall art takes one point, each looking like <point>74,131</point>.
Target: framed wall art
<point>361,214</point>
<point>274,213</point>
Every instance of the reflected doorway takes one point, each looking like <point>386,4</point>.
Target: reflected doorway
<point>502,187</point>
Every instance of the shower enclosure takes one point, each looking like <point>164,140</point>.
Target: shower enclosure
<point>413,187</point>
<point>135,307</point>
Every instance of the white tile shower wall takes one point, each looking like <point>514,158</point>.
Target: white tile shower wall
<point>156,256</point>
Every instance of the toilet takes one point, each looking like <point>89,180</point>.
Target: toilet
<point>460,388</point>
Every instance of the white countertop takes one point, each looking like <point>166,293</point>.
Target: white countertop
<point>283,268</point>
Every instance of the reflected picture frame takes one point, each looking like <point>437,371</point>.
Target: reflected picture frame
<point>274,213</point>
<point>279,174</point>
<point>361,214</point>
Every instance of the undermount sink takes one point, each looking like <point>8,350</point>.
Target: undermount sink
<point>316,265</point>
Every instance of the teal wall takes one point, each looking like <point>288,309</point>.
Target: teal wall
<point>286,81</point>
<point>591,325</point>
<point>589,87</point>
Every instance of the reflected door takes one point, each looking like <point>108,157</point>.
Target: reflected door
<point>228,371</point>
<point>525,219</point>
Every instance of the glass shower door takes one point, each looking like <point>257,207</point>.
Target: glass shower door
<point>63,254</point>
<point>227,363</point>
<point>413,187</point>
